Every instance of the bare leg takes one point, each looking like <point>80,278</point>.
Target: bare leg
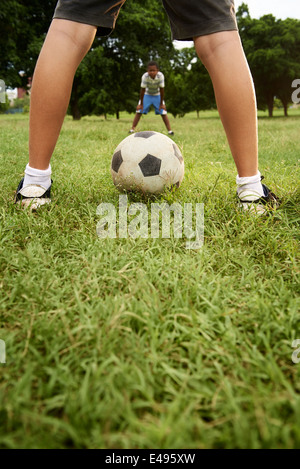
<point>166,121</point>
<point>222,54</point>
<point>65,46</point>
<point>136,120</point>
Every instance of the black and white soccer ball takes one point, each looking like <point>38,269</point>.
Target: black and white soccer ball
<point>147,162</point>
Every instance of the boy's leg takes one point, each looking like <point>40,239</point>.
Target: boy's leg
<point>66,44</point>
<point>144,110</point>
<point>136,120</point>
<point>222,55</point>
<point>162,111</point>
<point>166,122</point>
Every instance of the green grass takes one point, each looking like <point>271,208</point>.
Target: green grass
<point>123,343</point>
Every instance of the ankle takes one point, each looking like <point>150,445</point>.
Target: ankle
<point>38,177</point>
<point>249,188</point>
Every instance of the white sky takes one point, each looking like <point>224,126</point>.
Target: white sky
<point>281,9</point>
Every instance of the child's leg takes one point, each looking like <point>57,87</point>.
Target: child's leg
<point>136,120</point>
<point>166,121</point>
<point>223,56</point>
<point>66,44</point>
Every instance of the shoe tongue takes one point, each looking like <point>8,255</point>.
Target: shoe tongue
<point>32,191</point>
<point>266,191</point>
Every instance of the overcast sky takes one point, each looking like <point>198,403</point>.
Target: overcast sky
<point>281,9</point>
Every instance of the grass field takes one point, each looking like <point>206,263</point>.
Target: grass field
<point>141,343</point>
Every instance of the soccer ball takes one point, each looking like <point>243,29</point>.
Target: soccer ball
<point>147,162</point>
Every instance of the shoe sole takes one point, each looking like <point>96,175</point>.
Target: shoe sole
<point>34,204</point>
<point>255,209</point>
<point>258,209</point>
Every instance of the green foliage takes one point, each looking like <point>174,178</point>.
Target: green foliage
<point>272,48</point>
<point>11,13</point>
<point>4,106</point>
<point>178,94</point>
<point>178,98</point>
<point>189,86</point>
<point>202,92</point>
<point>142,32</point>
<point>23,103</point>
<point>105,85</point>
<point>23,27</point>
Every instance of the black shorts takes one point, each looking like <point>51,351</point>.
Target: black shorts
<point>188,18</point>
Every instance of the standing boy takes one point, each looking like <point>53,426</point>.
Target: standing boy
<point>152,94</point>
<point>211,24</point>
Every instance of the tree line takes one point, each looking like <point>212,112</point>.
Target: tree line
<point>108,79</point>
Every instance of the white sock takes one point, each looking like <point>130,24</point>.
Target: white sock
<point>249,188</point>
<point>38,177</point>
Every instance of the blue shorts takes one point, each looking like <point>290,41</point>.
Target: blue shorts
<point>152,100</point>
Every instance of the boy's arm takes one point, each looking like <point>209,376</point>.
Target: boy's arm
<point>140,104</point>
<point>162,95</point>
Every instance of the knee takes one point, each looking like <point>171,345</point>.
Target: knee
<point>79,35</point>
<point>211,45</point>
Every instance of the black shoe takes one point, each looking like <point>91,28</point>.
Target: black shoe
<point>32,196</point>
<point>263,204</point>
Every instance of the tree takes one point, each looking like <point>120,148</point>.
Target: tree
<point>290,61</point>
<point>23,28</point>
<point>201,88</point>
<point>4,106</point>
<point>189,84</point>
<point>178,93</point>
<point>272,48</point>
<point>101,85</point>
